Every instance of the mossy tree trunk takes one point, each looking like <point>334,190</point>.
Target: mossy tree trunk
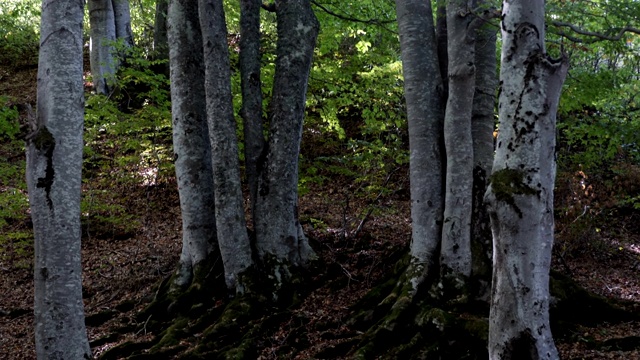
<point>54,167</point>
<point>520,193</point>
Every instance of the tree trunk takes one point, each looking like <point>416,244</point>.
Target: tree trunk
<point>54,167</point>
<point>482,127</point>
<point>251,111</point>
<point>122,19</point>
<point>520,194</point>
<point>456,230</point>
<point>103,33</point>
<point>160,40</point>
<point>230,221</point>
<point>279,239</point>
<point>192,150</point>
<point>423,93</point>
<point>441,39</point>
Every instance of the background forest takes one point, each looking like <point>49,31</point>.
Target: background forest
<point>353,186</point>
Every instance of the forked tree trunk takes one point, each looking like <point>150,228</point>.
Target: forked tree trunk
<point>455,253</point>
<point>279,239</point>
<point>423,94</point>
<point>230,221</point>
<point>251,111</point>
<point>103,34</point>
<point>54,167</point>
<point>520,193</point>
<point>192,150</point>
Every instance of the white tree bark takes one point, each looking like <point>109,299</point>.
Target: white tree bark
<point>455,254</point>
<point>192,150</point>
<point>103,33</point>
<point>54,167</point>
<point>230,221</point>
<point>423,94</point>
<point>520,193</point>
<point>279,238</point>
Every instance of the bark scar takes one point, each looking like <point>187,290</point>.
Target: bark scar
<point>46,143</point>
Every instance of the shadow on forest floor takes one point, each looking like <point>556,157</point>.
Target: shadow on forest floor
<point>122,270</point>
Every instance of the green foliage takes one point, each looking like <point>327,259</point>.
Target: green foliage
<point>355,99</point>
<point>128,143</point>
<point>9,126</point>
<point>19,32</point>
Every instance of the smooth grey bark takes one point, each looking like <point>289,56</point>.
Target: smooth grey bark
<point>423,94</point>
<point>455,253</point>
<point>251,110</point>
<point>482,127</point>
<point>192,150</point>
<point>160,40</point>
<point>103,34</point>
<point>122,17</point>
<point>233,239</point>
<point>54,171</point>
<point>280,241</point>
<point>520,194</point>
<point>441,39</point>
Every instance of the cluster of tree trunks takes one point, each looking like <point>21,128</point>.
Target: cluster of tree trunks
<point>450,82</point>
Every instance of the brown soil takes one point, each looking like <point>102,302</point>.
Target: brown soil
<point>122,268</point>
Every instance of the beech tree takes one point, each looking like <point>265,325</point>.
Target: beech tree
<point>109,20</point>
<point>280,241</point>
<point>443,196</point>
<point>54,166</point>
<point>191,145</point>
<point>229,215</point>
<point>423,93</point>
<point>103,34</point>
<point>208,171</point>
<point>520,194</point>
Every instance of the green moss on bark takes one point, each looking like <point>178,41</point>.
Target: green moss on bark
<point>507,183</point>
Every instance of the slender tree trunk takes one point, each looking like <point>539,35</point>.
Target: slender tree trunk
<point>192,150</point>
<point>160,40</point>
<point>54,167</point>
<point>122,19</point>
<point>251,111</point>
<point>230,221</point>
<point>520,193</point>
<point>423,93</point>
<point>441,39</point>
<point>456,230</point>
<point>482,127</point>
<point>103,33</point>
<point>279,240</point>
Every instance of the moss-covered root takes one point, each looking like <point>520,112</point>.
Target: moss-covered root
<point>171,301</point>
<point>233,334</point>
<point>398,306</point>
<point>427,333</point>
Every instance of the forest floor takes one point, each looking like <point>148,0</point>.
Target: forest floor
<point>123,263</point>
